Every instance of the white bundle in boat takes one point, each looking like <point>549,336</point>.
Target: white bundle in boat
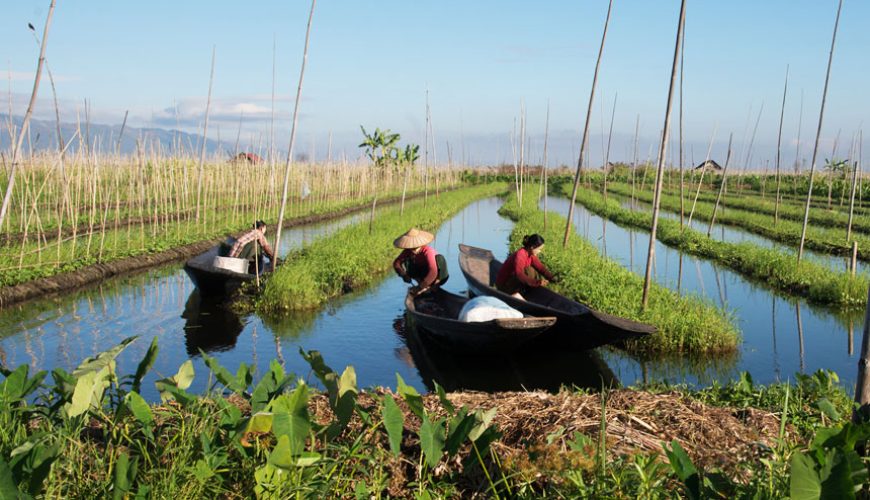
<point>485,308</point>
<point>231,264</point>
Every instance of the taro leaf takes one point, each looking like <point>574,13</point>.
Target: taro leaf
<point>394,421</point>
<point>291,417</point>
<point>325,374</point>
<point>444,401</point>
<point>483,418</point>
<point>273,383</point>
<point>174,387</point>
<point>307,458</point>
<point>64,383</point>
<point>89,390</point>
<point>260,422</point>
<point>145,365</point>
<point>8,489</point>
<point>139,408</point>
<point>102,360</point>
<point>805,482</point>
<point>125,474</point>
<point>39,461</point>
<point>346,401</point>
<point>844,438</point>
<point>432,440</point>
<point>185,374</point>
<point>282,454</point>
<point>223,375</point>
<point>244,377</point>
<point>838,483</point>
<point>412,397</point>
<point>13,385</point>
<point>460,427</point>
<point>684,468</point>
<point>825,406</point>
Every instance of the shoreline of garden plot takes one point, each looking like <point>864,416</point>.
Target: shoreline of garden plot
<point>354,256</point>
<point>685,324</point>
<point>91,274</point>
<point>816,283</point>
<point>279,435</point>
<point>821,239</point>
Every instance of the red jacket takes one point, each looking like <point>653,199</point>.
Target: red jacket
<point>424,259</point>
<point>516,263</point>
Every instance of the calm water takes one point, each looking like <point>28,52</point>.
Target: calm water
<point>366,329</point>
<point>781,335</point>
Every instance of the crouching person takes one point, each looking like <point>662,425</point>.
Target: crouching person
<point>419,261</point>
<point>254,247</point>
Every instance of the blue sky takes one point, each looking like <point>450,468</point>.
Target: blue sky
<point>370,64</point>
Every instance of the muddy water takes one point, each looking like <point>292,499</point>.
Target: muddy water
<point>781,335</point>
<point>365,329</point>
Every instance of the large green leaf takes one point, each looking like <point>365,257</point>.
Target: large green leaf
<point>260,422</point>
<point>102,360</point>
<point>145,365</point>
<point>394,422</point>
<point>483,419</point>
<point>805,483</point>
<point>684,468</point>
<point>412,397</point>
<point>89,389</point>
<point>432,440</point>
<point>8,488</point>
<point>444,401</point>
<point>139,408</point>
<point>13,385</point>
<point>174,387</point>
<point>460,427</point>
<point>125,474</point>
<point>291,417</point>
<point>273,383</point>
<point>223,375</point>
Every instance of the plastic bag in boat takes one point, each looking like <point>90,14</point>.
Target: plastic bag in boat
<point>485,309</point>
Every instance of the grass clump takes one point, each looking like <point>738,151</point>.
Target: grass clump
<point>776,269</point>
<point>685,324</point>
<point>355,256</point>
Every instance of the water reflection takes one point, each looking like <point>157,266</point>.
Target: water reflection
<point>209,325</point>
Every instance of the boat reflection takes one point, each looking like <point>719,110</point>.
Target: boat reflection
<point>209,325</point>
<point>524,370</point>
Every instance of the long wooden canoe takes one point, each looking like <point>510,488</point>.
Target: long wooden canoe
<point>210,280</point>
<point>579,324</point>
<point>437,314</point>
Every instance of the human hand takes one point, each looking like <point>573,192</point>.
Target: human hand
<point>544,282</point>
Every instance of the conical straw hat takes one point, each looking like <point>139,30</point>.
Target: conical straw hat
<point>413,238</point>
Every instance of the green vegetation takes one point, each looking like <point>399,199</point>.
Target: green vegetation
<point>355,256</point>
<point>90,434</point>
<point>779,270</point>
<point>827,239</point>
<point>685,324</point>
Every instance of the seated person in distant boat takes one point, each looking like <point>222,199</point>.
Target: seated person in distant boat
<point>252,245</point>
<point>523,270</point>
<point>420,262</point>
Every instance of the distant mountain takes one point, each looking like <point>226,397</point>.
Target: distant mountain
<point>43,135</point>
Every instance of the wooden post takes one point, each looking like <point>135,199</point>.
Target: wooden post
<point>662,151</point>
<point>721,186</point>
<point>779,149</point>
<point>862,385</point>
<point>853,264</point>
<point>854,185</point>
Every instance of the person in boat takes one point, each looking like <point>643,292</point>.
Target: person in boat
<point>523,269</point>
<point>252,246</point>
<point>419,261</point>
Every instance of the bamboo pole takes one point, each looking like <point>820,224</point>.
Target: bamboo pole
<point>862,385</point>
<point>609,138</point>
<point>779,150</point>
<point>721,186</point>
<point>661,161</point>
<point>544,166</point>
<point>204,138</point>
<point>818,135</point>
<point>16,150</point>
<point>855,173</point>
<point>584,140</point>
<point>682,202</point>
<point>293,132</point>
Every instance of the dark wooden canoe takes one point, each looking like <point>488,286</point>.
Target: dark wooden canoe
<point>578,324</point>
<point>213,281</point>
<point>437,313</point>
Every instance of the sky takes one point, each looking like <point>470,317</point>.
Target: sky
<point>481,62</point>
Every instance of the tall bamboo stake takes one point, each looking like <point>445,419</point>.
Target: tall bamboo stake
<point>682,208</point>
<point>204,138</point>
<point>721,186</point>
<point>779,149</point>
<point>544,166</point>
<point>818,135</point>
<point>16,150</point>
<point>661,163</point>
<point>609,138</point>
<point>293,132</point>
<point>586,128</point>
<point>855,171</point>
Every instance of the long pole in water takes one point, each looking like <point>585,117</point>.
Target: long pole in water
<point>16,151</point>
<point>586,129</point>
<point>721,186</point>
<point>651,252</point>
<point>779,149</point>
<point>855,171</point>
<point>293,133</point>
<point>204,138</point>
<point>818,134</point>
<point>862,386</point>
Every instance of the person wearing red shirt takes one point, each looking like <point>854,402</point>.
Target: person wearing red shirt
<point>418,261</point>
<point>523,270</point>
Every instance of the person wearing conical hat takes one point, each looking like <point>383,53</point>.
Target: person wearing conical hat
<point>419,261</point>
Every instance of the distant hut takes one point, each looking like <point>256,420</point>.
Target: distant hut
<point>709,166</point>
<point>248,158</point>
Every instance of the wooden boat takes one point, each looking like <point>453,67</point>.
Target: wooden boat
<point>579,325</point>
<point>210,280</point>
<point>437,313</point>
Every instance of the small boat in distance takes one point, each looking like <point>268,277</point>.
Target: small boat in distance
<point>437,313</point>
<point>579,325</point>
